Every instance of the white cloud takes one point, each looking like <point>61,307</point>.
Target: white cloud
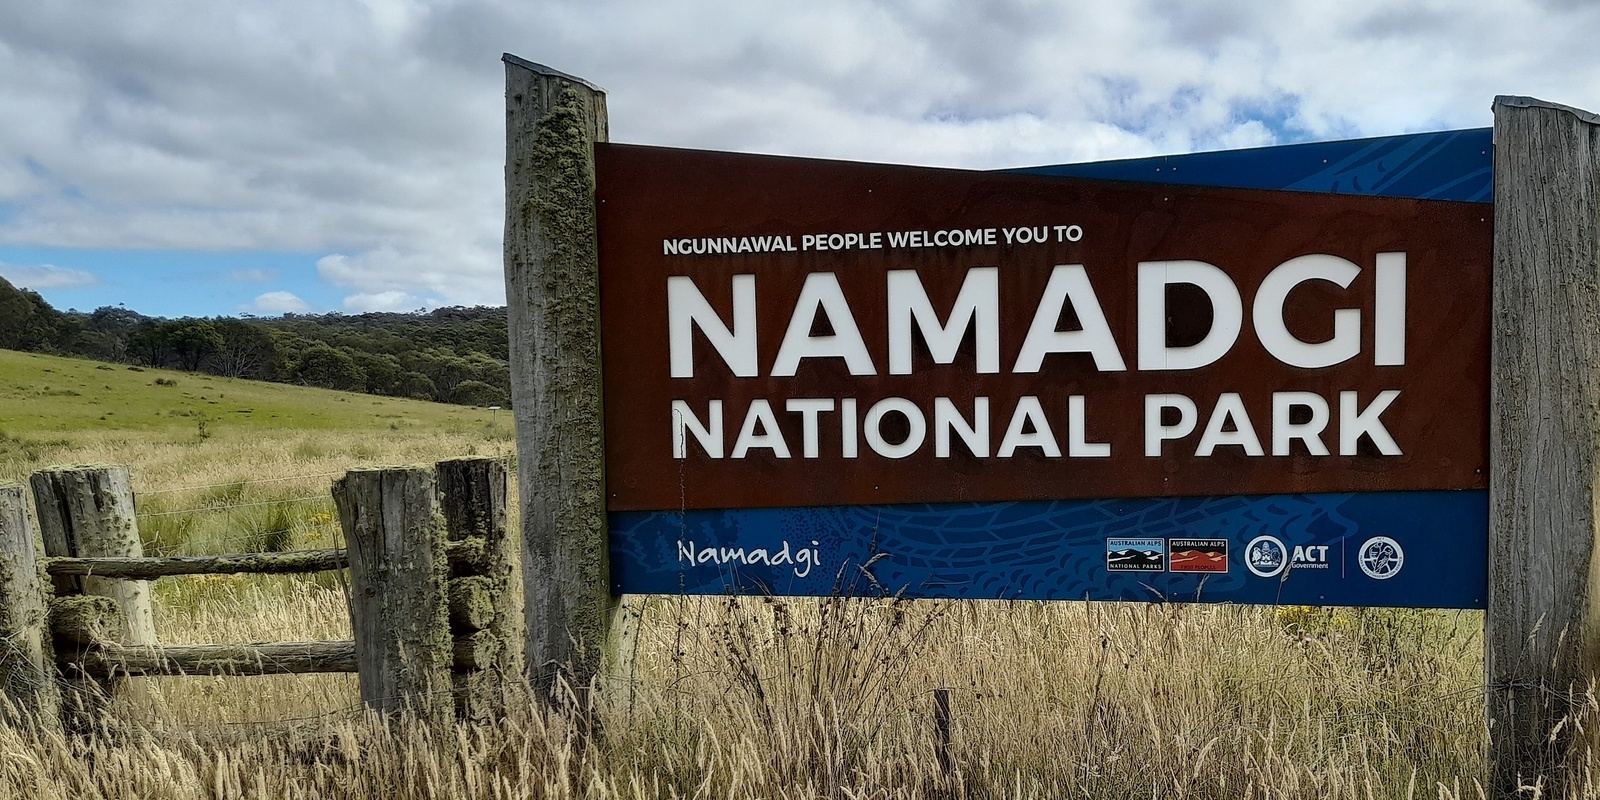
<point>278,303</point>
<point>463,277</point>
<point>47,276</point>
<point>383,301</point>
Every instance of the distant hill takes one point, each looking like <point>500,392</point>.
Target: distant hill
<point>50,396</point>
<point>450,355</point>
<point>212,456</point>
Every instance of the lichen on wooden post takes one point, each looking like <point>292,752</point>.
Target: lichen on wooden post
<point>398,607</point>
<point>485,597</point>
<point>88,511</point>
<point>82,620</point>
<point>1542,629</point>
<point>553,121</point>
<point>27,660</point>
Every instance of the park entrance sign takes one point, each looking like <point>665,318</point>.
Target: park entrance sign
<point>1306,374</point>
<point>828,377</point>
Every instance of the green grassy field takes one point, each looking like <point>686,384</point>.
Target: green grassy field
<point>177,428</point>
<point>47,396</point>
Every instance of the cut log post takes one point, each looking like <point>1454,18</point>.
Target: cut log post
<point>85,619</point>
<point>473,498</point>
<point>472,604</point>
<point>89,512</point>
<point>472,494</point>
<point>485,597</point>
<point>77,623</point>
<point>479,651</point>
<point>27,659</point>
<point>553,121</point>
<point>1542,630</point>
<point>471,557</point>
<point>397,582</point>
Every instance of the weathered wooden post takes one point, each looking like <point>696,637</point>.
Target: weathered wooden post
<point>27,661</point>
<point>484,594</point>
<point>1543,626</point>
<point>397,586</point>
<point>88,512</point>
<point>553,121</point>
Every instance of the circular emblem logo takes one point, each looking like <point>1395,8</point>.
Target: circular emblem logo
<point>1381,558</point>
<point>1266,556</point>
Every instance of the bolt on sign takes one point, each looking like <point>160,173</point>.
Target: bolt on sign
<point>1258,376</point>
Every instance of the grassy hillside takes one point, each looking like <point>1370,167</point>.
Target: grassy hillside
<point>46,395</point>
<point>219,464</point>
<point>179,428</point>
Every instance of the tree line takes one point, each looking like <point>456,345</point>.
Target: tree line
<point>450,355</point>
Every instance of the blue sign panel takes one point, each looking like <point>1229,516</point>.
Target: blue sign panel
<point>1377,548</point>
<point>1450,165</point>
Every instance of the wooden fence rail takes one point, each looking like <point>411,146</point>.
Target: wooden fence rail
<point>255,658</point>
<point>263,658</point>
<point>150,568</point>
<point>432,605</point>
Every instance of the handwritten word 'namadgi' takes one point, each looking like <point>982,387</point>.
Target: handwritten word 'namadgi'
<point>801,560</point>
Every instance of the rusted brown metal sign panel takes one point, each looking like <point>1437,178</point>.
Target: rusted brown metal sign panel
<point>852,334</point>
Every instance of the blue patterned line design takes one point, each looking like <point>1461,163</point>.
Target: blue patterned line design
<point>1448,165</point>
<point>1057,549</point>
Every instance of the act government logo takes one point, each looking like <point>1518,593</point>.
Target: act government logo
<point>1136,555</point>
<point>1309,556</point>
<point>1266,556</point>
<point>1197,555</point>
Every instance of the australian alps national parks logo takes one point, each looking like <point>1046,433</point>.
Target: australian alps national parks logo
<point>1136,555</point>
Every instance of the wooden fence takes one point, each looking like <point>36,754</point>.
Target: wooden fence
<point>433,595</point>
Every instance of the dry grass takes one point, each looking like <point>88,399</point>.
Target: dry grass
<point>768,698</point>
<point>754,697</point>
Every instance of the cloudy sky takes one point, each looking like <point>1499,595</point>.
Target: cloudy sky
<point>191,157</point>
